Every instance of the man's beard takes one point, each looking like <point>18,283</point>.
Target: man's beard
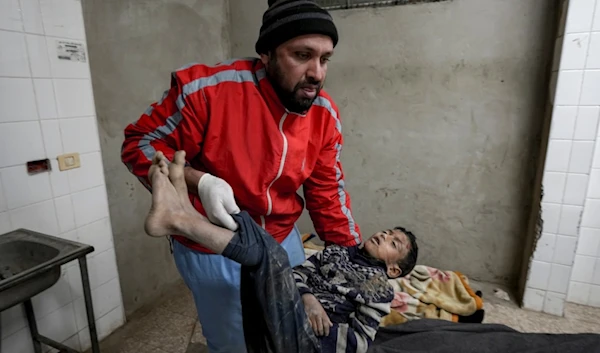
<point>290,99</point>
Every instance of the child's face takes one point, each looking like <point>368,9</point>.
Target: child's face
<point>389,246</point>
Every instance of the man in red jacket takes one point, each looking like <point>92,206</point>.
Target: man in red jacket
<point>254,132</point>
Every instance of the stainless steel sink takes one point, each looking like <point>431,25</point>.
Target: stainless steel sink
<point>30,262</point>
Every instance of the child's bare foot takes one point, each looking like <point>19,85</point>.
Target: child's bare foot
<point>170,203</point>
<point>177,178</point>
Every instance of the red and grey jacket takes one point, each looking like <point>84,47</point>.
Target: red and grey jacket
<point>232,125</point>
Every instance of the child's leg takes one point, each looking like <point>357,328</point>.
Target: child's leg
<point>172,213</point>
<point>273,315</point>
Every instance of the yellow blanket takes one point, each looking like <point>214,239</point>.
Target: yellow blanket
<point>431,293</point>
<point>425,293</point>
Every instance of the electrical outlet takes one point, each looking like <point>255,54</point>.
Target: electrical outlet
<point>68,161</point>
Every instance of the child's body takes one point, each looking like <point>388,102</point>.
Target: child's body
<point>346,291</point>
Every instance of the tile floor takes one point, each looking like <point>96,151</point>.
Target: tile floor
<point>170,326</point>
<point>577,318</point>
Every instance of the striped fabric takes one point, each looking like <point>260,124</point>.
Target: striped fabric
<point>287,19</point>
<point>354,293</point>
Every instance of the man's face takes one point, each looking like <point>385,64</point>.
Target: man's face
<point>297,70</point>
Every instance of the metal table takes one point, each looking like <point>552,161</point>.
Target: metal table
<point>30,262</point>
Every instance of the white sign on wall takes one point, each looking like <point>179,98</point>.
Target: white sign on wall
<point>72,51</point>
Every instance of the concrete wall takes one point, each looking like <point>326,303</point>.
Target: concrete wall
<point>442,106</point>
<point>133,46</point>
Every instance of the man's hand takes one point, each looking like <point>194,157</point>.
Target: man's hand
<point>218,201</point>
<point>316,315</point>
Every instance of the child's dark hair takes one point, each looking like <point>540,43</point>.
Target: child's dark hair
<point>410,261</point>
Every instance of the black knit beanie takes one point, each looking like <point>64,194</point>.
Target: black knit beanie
<point>287,19</point>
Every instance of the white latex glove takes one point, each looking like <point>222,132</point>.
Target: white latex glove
<point>217,199</point>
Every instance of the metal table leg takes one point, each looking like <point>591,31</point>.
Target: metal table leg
<point>87,294</point>
<point>37,346</point>
<point>36,338</point>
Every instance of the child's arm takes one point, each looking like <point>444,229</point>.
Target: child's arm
<point>366,319</point>
<point>359,333</point>
<point>303,272</point>
<point>315,313</point>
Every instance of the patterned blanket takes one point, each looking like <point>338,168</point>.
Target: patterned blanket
<point>433,294</point>
<point>426,292</point>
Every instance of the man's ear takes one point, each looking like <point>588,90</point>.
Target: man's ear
<point>393,271</point>
<point>264,58</point>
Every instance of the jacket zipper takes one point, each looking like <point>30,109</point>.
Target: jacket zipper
<point>279,172</point>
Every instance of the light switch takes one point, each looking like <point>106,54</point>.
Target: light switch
<point>68,161</point>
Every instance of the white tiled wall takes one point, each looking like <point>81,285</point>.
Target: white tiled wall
<point>585,280</point>
<point>47,109</point>
<point>566,261</point>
